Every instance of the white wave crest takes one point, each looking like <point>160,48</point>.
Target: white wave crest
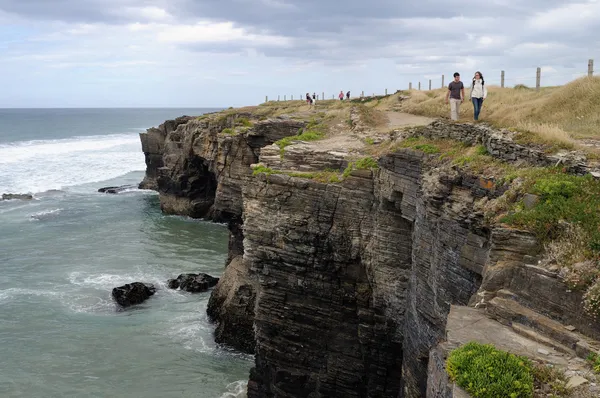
<point>237,389</point>
<point>45,214</point>
<point>42,165</point>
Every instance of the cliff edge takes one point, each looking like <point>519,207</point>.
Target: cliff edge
<point>362,239</point>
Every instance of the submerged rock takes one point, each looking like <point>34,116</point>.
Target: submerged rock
<point>115,190</point>
<point>193,283</point>
<point>132,293</point>
<point>19,196</point>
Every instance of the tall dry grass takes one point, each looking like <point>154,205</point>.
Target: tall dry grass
<point>555,114</point>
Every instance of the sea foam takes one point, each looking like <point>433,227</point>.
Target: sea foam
<point>42,165</point>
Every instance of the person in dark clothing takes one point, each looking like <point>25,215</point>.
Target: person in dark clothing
<point>456,95</point>
<point>348,95</point>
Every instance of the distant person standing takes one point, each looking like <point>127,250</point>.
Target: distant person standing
<point>314,98</point>
<point>348,95</point>
<point>478,94</point>
<point>456,94</point>
<point>308,100</point>
<point>341,96</point>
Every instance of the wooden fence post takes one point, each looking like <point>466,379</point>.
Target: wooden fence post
<point>410,86</point>
<point>429,84</point>
<point>590,68</point>
<point>332,96</point>
<point>502,79</point>
<point>538,76</point>
<point>419,85</point>
<point>277,98</point>
<point>442,81</point>
<point>386,91</point>
<point>323,95</point>
<point>266,98</point>
<point>362,94</point>
<point>284,98</point>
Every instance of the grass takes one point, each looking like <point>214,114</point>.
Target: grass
<point>365,163</point>
<point>554,114</point>
<point>564,198</point>
<point>485,372</point>
<point>372,117</point>
<point>313,131</point>
<point>594,361</point>
<point>324,176</point>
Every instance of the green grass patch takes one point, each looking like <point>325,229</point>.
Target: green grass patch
<point>562,198</point>
<point>369,141</point>
<point>485,372</point>
<point>228,131</point>
<point>313,131</point>
<point>244,122</point>
<point>263,169</point>
<point>594,361</point>
<point>366,163</point>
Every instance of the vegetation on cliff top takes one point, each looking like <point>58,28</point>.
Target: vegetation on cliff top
<point>314,130</point>
<point>551,115</point>
<point>486,372</point>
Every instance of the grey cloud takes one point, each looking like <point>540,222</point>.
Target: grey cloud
<point>349,31</point>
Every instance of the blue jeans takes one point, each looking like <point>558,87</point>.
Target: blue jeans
<point>477,104</point>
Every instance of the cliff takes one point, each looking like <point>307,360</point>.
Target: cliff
<point>342,271</point>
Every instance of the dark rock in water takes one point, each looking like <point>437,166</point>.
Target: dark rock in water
<point>193,283</point>
<point>116,189</point>
<point>132,293</point>
<point>19,196</point>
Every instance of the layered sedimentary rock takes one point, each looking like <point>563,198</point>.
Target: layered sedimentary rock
<point>344,290</point>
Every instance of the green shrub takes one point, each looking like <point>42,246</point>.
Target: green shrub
<point>594,361</point>
<point>366,163</point>
<point>228,131</point>
<point>481,150</point>
<point>427,148</point>
<point>262,169</point>
<point>564,198</point>
<point>485,372</point>
<point>369,141</point>
<point>242,121</point>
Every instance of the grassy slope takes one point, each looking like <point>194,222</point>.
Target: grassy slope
<point>560,113</point>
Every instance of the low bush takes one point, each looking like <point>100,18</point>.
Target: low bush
<point>485,372</point>
<point>565,199</point>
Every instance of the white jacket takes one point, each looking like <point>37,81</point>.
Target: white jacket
<point>478,90</point>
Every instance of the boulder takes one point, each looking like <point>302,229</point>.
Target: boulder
<point>19,196</point>
<point>132,293</point>
<point>115,190</point>
<point>193,283</point>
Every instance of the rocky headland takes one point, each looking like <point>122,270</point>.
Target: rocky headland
<point>365,244</point>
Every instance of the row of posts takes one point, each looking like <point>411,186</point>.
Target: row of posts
<point>538,77</point>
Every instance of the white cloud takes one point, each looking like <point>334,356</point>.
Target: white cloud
<point>219,32</point>
<point>575,16</point>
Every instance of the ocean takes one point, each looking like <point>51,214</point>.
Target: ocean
<point>62,253</point>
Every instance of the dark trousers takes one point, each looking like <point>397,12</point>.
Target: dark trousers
<point>477,104</point>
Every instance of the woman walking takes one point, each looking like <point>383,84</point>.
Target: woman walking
<point>478,94</point>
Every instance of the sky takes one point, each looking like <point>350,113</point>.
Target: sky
<point>203,53</point>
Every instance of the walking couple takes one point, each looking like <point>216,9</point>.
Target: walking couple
<point>456,95</point>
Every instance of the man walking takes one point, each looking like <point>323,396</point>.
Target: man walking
<point>456,94</point>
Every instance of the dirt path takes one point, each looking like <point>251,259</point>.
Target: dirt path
<point>400,119</point>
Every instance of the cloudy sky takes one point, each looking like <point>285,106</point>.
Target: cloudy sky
<point>114,53</point>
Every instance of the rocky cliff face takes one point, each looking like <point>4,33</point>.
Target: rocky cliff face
<point>344,289</point>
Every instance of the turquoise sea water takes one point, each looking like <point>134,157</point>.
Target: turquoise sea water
<point>62,253</point>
